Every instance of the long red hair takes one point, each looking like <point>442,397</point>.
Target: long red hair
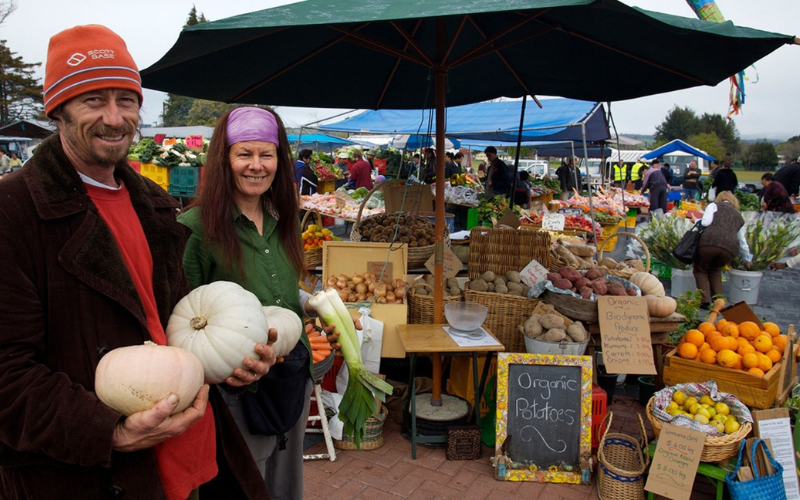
<point>215,199</point>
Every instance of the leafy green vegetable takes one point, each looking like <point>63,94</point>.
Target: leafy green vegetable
<point>748,202</point>
<point>662,235</point>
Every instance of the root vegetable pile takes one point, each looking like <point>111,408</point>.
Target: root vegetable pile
<point>390,228</point>
<point>510,284</point>
<point>593,281</point>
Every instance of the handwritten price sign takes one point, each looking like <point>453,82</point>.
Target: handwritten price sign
<point>533,273</point>
<point>195,143</point>
<point>625,334</point>
<point>675,462</point>
<point>553,222</point>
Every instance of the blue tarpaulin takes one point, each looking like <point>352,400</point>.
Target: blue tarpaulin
<point>322,141</point>
<point>676,145</point>
<point>557,120</point>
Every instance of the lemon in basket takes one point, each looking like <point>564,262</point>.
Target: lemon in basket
<point>689,402</point>
<point>719,426</point>
<point>679,397</point>
<point>731,426</point>
<point>706,400</point>
<point>701,418</point>
<point>722,408</point>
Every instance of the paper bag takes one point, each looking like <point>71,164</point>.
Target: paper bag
<point>371,340</point>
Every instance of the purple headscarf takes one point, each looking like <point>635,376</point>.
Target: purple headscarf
<point>252,124</point>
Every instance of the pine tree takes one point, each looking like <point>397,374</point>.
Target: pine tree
<point>20,92</point>
<point>177,107</point>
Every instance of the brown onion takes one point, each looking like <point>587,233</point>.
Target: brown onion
<point>400,292</point>
<point>351,285</point>
<point>371,287</point>
<point>398,283</point>
<point>357,278</point>
<point>352,298</point>
<point>361,288</point>
<point>343,294</point>
<point>331,282</point>
<point>381,300</point>
<point>381,291</point>
<point>390,299</point>
<point>342,277</point>
<point>369,275</point>
<point>361,297</point>
<point>341,285</point>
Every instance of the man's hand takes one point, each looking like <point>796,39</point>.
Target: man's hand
<point>145,429</point>
<point>257,368</point>
<point>331,335</point>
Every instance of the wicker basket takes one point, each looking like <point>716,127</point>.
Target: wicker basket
<point>417,256</point>
<point>622,463</point>
<point>420,307</point>
<point>715,448</point>
<point>569,231</point>
<point>373,438</point>
<point>501,250</point>
<point>629,235</point>
<point>313,257</point>
<point>505,313</point>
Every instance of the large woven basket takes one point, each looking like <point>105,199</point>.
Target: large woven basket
<point>502,249</point>
<point>373,438</point>
<point>715,448</point>
<point>417,256</point>
<point>313,257</point>
<point>622,463</point>
<point>568,231</point>
<point>505,313</point>
<point>629,235</point>
<point>420,307</point>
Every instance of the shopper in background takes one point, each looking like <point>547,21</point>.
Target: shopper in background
<point>691,177</point>
<point>498,179</point>
<point>360,172</point>
<point>775,198</point>
<point>303,159</point>
<point>567,177</point>
<point>666,170</point>
<point>725,179</point>
<point>342,158</point>
<point>722,240</point>
<point>14,161</point>
<point>655,182</point>
<point>522,190</point>
<point>789,177</point>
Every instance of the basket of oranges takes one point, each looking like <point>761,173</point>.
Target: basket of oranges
<point>314,235</point>
<point>701,406</point>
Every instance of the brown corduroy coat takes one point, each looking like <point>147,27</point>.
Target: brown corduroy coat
<point>66,299</point>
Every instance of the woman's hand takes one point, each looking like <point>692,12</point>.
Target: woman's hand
<point>777,265</point>
<point>147,428</point>
<point>256,368</point>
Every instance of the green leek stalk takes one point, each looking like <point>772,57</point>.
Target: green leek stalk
<point>358,403</point>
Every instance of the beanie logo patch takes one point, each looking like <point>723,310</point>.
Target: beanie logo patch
<point>75,59</point>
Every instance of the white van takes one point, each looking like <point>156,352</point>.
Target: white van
<point>536,168</point>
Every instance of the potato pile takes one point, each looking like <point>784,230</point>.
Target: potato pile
<point>552,328</point>
<point>593,281</point>
<point>388,228</point>
<point>451,287</point>
<point>510,284</point>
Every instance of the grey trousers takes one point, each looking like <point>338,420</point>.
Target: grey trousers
<point>282,469</point>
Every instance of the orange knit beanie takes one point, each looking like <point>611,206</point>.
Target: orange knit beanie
<point>86,58</point>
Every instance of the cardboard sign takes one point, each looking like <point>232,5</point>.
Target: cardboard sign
<point>544,432</point>
<point>412,198</point>
<point>553,222</point>
<point>774,425</point>
<point>159,138</point>
<point>542,308</point>
<point>625,333</point>
<point>570,211</point>
<point>533,273</point>
<point>675,462</point>
<point>509,219</point>
<point>195,143</point>
<point>377,268</point>
<point>170,142</point>
<point>452,264</point>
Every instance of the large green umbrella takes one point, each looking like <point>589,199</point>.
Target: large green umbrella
<point>411,54</point>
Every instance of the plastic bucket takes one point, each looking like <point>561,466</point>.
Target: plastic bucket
<point>450,219</point>
<point>682,281</point>
<point>744,286</point>
<point>534,346</point>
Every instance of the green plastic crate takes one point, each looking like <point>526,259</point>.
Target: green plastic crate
<point>660,269</point>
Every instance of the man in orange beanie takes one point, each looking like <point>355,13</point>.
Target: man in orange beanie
<point>93,258</point>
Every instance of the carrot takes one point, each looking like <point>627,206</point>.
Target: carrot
<point>319,340</point>
<point>318,356</point>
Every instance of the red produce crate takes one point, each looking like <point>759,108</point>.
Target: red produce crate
<point>599,409</point>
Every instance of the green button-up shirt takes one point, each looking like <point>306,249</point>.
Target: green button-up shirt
<point>267,271</point>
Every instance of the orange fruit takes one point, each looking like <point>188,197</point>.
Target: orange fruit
<point>727,358</point>
<point>719,343</point>
<point>750,360</point>
<point>772,329</point>
<point>721,324</point>
<point>763,343</point>
<point>711,335</point>
<point>764,362</point>
<point>698,358</point>
<point>687,350</point>
<point>756,371</point>
<point>706,327</point>
<point>779,342</point>
<point>749,330</point>
<point>742,341</point>
<point>704,347</point>
<point>739,365</point>
<point>744,349</point>
<point>708,356</point>
<point>695,337</point>
<point>774,355</point>
<point>730,330</point>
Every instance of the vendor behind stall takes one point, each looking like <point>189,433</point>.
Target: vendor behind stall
<point>498,179</point>
<point>568,177</point>
<point>655,182</point>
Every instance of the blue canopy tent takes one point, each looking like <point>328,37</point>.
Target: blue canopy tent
<point>566,148</point>
<point>322,142</point>
<point>677,145</point>
<point>417,141</point>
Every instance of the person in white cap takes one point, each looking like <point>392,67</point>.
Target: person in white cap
<point>343,157</point>
<point>93,260</point>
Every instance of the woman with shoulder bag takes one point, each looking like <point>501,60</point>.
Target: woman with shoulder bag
<point>722,240</point>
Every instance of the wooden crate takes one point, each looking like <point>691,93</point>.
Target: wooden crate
<point>752,390</point>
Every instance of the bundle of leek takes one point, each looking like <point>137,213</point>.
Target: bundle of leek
<point>358,403</point>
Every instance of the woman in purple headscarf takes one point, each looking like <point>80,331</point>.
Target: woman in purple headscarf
<point>245,230</point>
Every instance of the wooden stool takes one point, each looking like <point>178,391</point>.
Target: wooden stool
<point>324,429</point>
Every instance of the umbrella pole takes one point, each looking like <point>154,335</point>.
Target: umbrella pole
<point>440,81</point>
<point>513,192</point>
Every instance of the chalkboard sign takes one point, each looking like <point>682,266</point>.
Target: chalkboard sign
<point>544,405</point>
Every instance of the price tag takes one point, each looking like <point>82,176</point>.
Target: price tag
<point>553,222</point>
<point>571,211</point>
<point>675,462</point>
<point>170,142</point>
<point>533,273</point>
<point>195,143</point>
<point>159,138</point>
<point>450,262</point>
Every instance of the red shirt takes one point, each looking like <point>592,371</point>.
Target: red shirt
<point>189,460</point>
<point>360,174</point>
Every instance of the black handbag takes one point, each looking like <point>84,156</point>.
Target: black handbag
<point>686,249</point>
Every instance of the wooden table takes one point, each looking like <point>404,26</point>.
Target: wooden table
<point>659,336</point>
<point>432,339</point>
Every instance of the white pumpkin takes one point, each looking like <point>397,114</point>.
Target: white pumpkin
<point>220,323</point>
<point>135,378</point>
<point>660,307</point>
<point>288,325</point>
<point>649,284</point>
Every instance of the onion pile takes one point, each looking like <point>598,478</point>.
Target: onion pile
<point>361,287</point>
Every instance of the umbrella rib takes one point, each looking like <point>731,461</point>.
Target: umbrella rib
<point>482,48</point>
<point>287,68</point>
<point>394,68</point>
<point>410,41</point>
<point>455,37</point>
<point>386,49</point>
<point>633,56</point>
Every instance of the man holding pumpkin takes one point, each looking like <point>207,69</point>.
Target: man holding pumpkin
<point>92,256</point>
